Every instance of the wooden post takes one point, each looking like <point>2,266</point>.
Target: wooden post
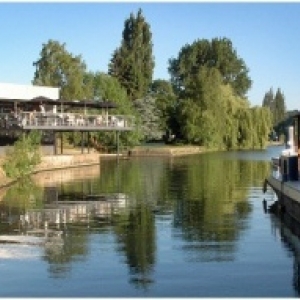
<point>61,143</point>
<point>117,132</point>
<point>55,144</point>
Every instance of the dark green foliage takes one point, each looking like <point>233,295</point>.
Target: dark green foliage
<point>165,101</point>
<point>133,63</point>
<point>276,105</point>
<point>268,100</point>
<point>277,108</point>
<point>279,112</point>
<point>23,157</point>
<point>219,54</point>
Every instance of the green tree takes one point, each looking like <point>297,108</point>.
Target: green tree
<point>279,107</point>
<point>268,100</point>
<point>106,87</point>
<point>149,117</point>
<point>133,63</point>
<point>211,81</point>
<point>276,104</point>
<point>57,67</point>
<point>165,101</point>
<point>219,54</point>
<point>212,115</point>
<point>23,157</point>
<point>202,117</point>
<point>262,123</point>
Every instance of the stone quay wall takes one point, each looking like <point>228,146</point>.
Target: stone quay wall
<point>53,162</point>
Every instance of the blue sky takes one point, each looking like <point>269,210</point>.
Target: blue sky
<point>265,35</point>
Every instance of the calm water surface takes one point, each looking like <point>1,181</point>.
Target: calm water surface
<point>191,226</point>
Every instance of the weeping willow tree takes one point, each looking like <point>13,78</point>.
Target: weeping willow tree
<point>213,116</point>
<point>211,82</point>
<point>23,157</point>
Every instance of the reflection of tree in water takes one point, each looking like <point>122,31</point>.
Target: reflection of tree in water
<point>18,198</point>
<point>211,210</point>
<point>24,194</point>
<point>137,240</point>
<point>60,251</point>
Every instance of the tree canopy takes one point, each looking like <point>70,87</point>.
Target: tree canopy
<point>204,102</point>
<point>133,62</point>
<point>277,107</point>
<point>218,54</point>
<point>57,67</point>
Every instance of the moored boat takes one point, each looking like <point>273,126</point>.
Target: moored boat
<point>284,179</point>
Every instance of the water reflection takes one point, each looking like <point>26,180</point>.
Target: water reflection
<point>290,238</point>
<point>211,207</point>
<point>136,239</point>
<point>205,199</point>
<point>50,217</point>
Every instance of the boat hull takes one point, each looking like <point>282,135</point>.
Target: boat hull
<point>288,194</point>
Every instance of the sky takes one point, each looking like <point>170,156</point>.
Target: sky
<point>265,35</point>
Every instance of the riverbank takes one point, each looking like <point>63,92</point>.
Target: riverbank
<point>73,158</point>
<point>166,150</point>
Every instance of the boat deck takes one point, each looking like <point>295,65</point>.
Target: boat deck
<point>289,188</point>
<point>292,184</point>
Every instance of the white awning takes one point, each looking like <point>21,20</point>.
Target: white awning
<point>9,91</point>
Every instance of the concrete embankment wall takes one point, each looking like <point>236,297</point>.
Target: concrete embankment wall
<point>53,162</point>
<point>58,176</point>
<point>67,161</point>
<point>165,151</point>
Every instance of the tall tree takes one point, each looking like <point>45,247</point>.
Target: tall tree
<point>219,54</point>
<point>57,67</point>
<point>279,107</point>
<point>268,99</point>
<point>276,104</point>
<point>133,63</point>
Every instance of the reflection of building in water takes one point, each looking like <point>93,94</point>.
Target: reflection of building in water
<point>58,214</point>
<point>64,212</point>
<point>59,229</point>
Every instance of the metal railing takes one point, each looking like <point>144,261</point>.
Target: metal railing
<point>71,120</point>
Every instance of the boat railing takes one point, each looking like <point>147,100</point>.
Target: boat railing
<point>39,119</point>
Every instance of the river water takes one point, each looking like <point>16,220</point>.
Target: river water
<point>192,226</point>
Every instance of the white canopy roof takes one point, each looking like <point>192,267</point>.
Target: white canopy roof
<point>9,91</point>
